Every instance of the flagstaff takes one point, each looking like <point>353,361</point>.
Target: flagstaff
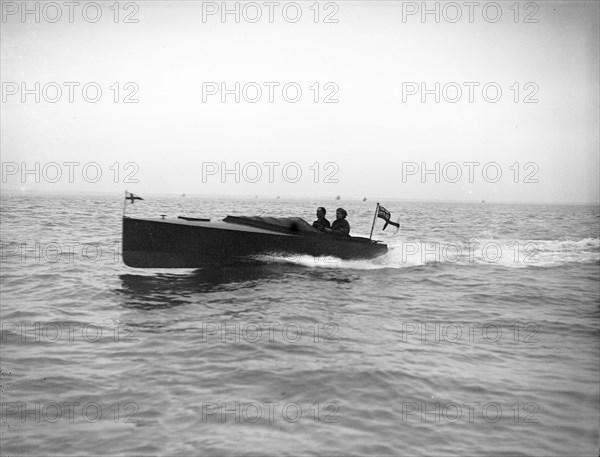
<point>374,219</point>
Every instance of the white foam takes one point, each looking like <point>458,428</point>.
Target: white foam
<point>510,253</point>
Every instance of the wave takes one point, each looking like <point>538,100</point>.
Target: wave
<point>510,253</point>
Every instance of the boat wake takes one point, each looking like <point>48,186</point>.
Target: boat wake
<point>509,253</point>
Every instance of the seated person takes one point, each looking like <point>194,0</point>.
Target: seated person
<point>340,226</point>
<point>321,223</point>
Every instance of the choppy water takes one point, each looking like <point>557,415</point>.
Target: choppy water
<point>478,334</point>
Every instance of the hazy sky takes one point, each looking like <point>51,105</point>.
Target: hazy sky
<point>375,61</point>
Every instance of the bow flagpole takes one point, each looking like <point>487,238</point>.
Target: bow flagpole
<point>374,219</point>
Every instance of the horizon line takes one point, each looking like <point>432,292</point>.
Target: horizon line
<point>270,197</point>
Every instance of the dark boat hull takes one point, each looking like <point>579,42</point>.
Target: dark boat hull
<point>165,243</point>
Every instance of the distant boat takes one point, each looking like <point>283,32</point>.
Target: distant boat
<point>364,199</point>
<point>338,198</point>
<point>482,201</point>
<point>183,195</point>
<point>278,196</point>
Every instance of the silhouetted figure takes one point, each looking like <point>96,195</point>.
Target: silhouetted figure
<point>340,226</point>
<point>321,223</point>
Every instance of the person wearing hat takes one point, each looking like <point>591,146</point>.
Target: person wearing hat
<point>340,226</point>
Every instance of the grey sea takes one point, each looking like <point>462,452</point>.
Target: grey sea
<point>477,334</point>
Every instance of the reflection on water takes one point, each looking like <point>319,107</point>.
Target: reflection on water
<point>166,290</point>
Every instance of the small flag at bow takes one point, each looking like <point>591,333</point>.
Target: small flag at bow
<point>132,197</point>
<point>386,215</point>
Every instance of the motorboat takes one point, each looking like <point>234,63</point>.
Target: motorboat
<point>188,242</point>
